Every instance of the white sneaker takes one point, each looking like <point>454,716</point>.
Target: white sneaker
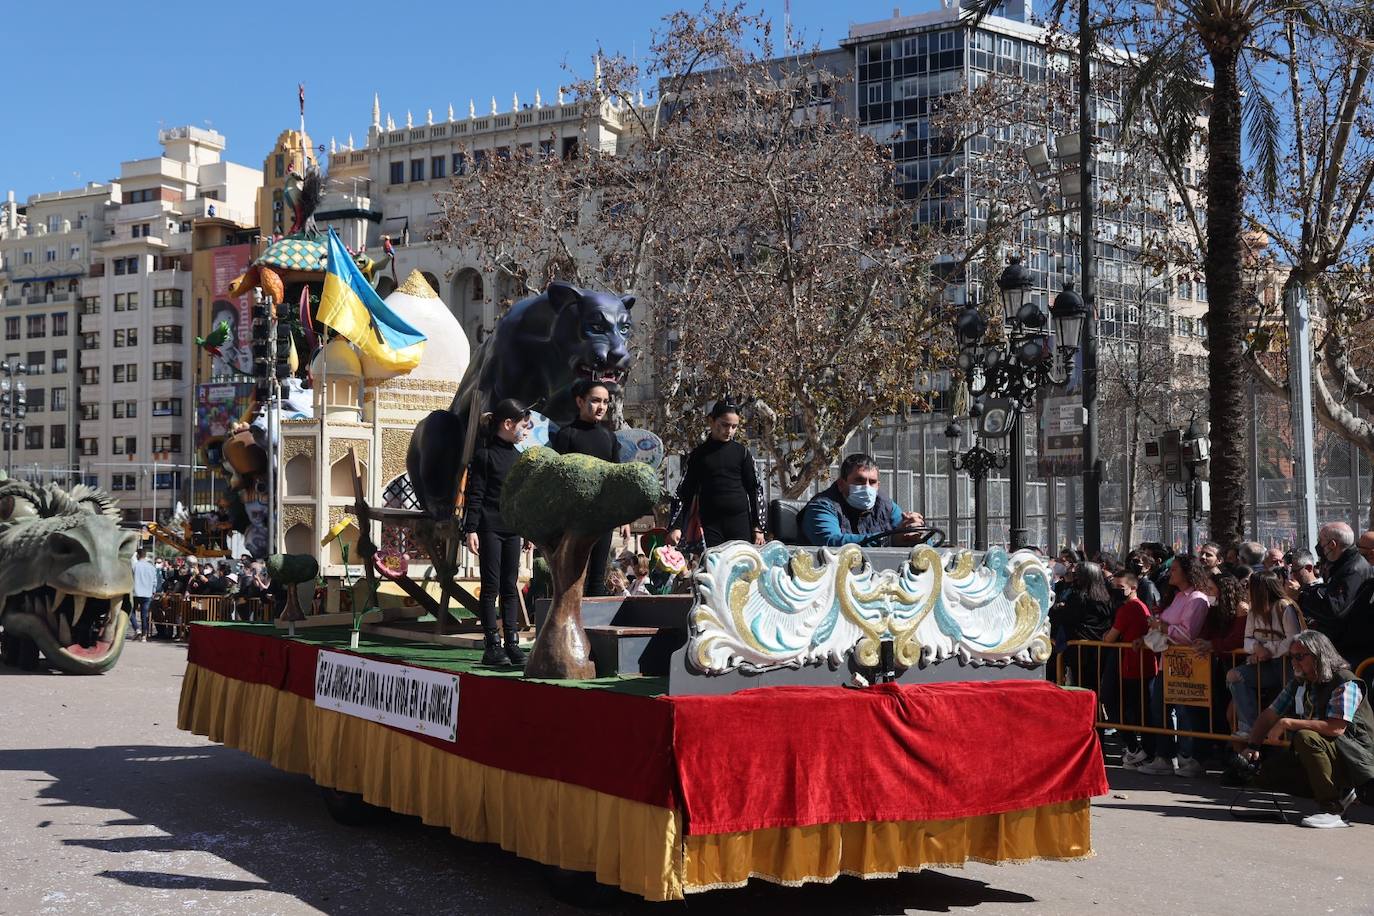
<point>1324,821</point>
<point>1189,766</point>
<point>1160,766</point>
<point>1133,759</point>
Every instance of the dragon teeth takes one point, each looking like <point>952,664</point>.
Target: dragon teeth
<point>64,632</point>
<point>78,608</point>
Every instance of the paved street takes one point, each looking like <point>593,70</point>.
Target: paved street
<point>109,809</point>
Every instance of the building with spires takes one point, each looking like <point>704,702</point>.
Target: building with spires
<point>406,165</point>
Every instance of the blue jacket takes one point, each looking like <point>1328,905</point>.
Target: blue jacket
<point>824,522</point>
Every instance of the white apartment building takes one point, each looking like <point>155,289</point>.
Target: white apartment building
<point>135,387</point>
<point>46,249</point>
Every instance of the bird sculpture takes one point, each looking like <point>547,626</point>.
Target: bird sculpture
<point>212,342</point>
<point>302,195</point>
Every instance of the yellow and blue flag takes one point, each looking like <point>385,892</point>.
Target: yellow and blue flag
<point>352,307</point>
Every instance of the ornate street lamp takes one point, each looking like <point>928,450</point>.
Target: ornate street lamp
<point>1015,366</point>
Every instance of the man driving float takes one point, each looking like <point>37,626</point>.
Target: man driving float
<point>852,510</point>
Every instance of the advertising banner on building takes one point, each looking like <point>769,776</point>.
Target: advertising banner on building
<point>236,353</point>
<point>218,407</point>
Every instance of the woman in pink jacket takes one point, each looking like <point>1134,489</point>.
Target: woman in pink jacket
<point>1181,624</point>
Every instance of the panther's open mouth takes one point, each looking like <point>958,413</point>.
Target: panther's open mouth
<point>77,633</point>
<point>603,374</point>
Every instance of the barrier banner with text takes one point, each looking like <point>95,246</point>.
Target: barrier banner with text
<point>1187,677</point>
<point>413,699</point>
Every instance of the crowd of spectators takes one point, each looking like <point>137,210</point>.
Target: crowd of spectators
<point>243,579</point>
<point>1253,613</point>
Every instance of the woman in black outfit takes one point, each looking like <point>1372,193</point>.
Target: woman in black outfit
<point>588,435</point>
<point>721,478</point>
<point>488,536</point>
<point>1085,613</point>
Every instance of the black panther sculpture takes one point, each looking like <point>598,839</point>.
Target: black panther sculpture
<point>539,349</point>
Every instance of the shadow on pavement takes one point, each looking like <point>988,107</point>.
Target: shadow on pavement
<point>186,812</point>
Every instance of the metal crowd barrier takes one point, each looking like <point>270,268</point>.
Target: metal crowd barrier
<point>1204,688</point>
<point>176,612</point>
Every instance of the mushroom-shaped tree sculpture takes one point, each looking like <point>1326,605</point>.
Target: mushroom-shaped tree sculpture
<point>564,503</point>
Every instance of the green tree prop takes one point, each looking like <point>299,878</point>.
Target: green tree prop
<point>564,503</point>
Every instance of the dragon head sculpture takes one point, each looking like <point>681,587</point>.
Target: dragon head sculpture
<point>65,575</point>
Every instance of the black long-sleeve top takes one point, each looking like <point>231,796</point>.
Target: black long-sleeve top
<point>721,477</point>
<point>486,476</point>
<point>582,438</point>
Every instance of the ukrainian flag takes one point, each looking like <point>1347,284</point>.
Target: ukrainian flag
<point>352,307</point>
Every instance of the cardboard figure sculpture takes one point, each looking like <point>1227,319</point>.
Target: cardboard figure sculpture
<point>66,573</point>
<point>538,350</point>
<point>564,503</point>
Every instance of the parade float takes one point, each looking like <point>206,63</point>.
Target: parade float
<point>798,714</point>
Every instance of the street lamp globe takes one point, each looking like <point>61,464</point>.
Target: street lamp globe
<point>1015,283</point>
<point>1069,314</point>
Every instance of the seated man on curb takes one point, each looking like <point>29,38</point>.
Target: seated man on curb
<point>1326,713</point>
<point>851,509</point>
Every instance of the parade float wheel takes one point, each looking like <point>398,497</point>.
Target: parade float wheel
<point>581,889</point>
<point>348,808</point>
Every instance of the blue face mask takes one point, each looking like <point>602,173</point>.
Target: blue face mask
<point>861,497</point>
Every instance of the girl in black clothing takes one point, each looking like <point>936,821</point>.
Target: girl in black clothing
<point>587,435</point>
<point>721,478</point>
<point>488,536</point>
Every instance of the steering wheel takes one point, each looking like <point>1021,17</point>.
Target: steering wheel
<point>932,536</point>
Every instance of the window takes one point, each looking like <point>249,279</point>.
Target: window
<point>1201,292</point>
<point>90,411</point>
<point>398,173</point>
<point>167,481</point>
<point>119,266</point>
<point>128,372</point>
<point>137,230</point>
<point>90,305</point>
<point>90,446</point>
<point>167,407</point>
<point>33,437</point>
<point>54,222</point>
<point>27,257</point>
<point>75,253</point>
<point>545,149</point>
<point>280,164</point>
<point>90,375</point>
<point>57,435</point>
<point>125,410</point>
<point>133,301</point>
<point>479,159</point>
<point>59,324</point>
<point>167,299</point>
<point>59,360</point>
<point>460,164</point>
<point>123,445</point>
<point>90,340</point>
<point>142,196</point>
<point>126,337</point>
<point>36,399</point>
<point>436,166</point>
<point>90,480</point>
<point>37,361</point>
<point>38,326</point>
<point>167,334</point>
<point>121,302</point>
<point>171,443</point>
<point>12,328</point>
<point>59,398</point>
<point>50,255</point>
<point>165,369</point>
<point>417,170</point>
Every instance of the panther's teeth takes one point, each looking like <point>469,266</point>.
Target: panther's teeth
<point>78,608</point>
<point>58,596</point>
<point>64,632</point>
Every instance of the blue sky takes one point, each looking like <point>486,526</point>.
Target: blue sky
<point>92,82</point>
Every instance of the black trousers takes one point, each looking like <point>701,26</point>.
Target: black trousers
<point>499,558</point>
<point>595,584</point>
<point>718,530</point>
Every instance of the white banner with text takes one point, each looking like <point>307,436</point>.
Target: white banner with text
<point>413,699</point>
